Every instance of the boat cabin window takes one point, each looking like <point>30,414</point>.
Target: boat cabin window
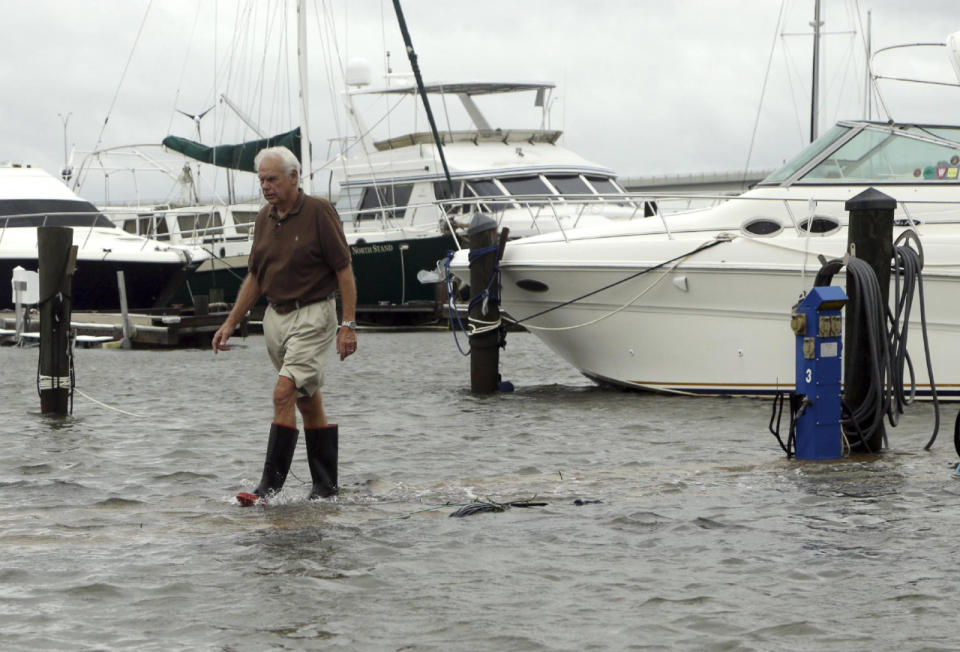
<point>348,201</point>
<point>384,201</point>
<point>243,220</point>
<point>806,155</point>
<point>762,226</point>
<point>878,155</point>
<point>199,223</point>
<point>50,212</point>
<point>148,226</point>
<point>604,185</point>
<point>130,225</point>
<point>526,186</point>
<point>607,186</point>
<point>819,224</point>
<point>441,191</point>
<point>487,188</point>
<point>570,185</point>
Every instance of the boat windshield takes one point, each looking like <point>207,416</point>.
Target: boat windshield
<point>525,186</point>
<point>806,155</point>
<point>490,192</point>
<point>385,202</point>
<point>570,184</point>
<point>50,212</point>
<point>881,154</point>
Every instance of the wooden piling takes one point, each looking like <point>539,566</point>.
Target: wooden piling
<point>484,305</point>
<point>19,288</point>
<point>126,342</point>
<point>57,260</point>
<point>870,231</point>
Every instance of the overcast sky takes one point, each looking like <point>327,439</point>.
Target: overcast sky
<point>644,86</point>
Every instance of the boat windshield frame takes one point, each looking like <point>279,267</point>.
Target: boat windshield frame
<point>811,155</point>
<point>798,170</point>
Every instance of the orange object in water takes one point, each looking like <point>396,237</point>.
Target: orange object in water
<point>247,499</point>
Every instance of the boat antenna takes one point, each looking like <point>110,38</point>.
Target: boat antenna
<point>876,76</point>
<point>423,93</point>
<point>815,84</point>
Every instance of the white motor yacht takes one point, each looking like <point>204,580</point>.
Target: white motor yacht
<point>402,210</point>
<point>154,272</point>
<point>700,301</point>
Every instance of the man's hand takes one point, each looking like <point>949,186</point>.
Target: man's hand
<point>346,342</point>
<point>221,336</point>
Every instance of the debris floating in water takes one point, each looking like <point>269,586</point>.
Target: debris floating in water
<point>479,506</point>
<point>587,501</point>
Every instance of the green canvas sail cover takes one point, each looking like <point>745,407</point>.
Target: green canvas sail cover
<point>236,157</point>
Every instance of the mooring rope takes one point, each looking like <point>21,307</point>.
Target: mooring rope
<point>490,294</point>
<point>229,268</point>
<point>109,407</point>
<point>477,326</point>
<point>719,239</point>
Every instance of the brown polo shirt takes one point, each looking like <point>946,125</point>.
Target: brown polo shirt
<point>296,257</point>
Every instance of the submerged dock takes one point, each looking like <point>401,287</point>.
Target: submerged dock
<point>176,330</point>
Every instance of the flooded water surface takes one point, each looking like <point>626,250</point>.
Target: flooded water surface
<point>670,523</point>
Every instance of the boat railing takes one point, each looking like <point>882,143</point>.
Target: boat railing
<point>548,213</point>
<point>85,220</point>
<point>385,216</point>
<point>85,225</point>
<point>153,223</point>
<point>561,213</point>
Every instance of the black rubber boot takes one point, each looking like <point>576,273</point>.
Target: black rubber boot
<point>280,448</point>
<point>322,458</point>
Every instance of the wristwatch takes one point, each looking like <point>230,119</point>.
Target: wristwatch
<point>352,325</point>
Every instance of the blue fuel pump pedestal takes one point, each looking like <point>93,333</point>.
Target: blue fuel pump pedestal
<point>817,323</point>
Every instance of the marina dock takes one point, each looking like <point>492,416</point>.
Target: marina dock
<point>179,330</point>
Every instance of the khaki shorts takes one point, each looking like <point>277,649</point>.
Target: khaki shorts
<point>298,342</point>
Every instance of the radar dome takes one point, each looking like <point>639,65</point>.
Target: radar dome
<point>358,72</point>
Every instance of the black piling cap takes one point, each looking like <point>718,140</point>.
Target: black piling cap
<point>870,199</point>
<point>481,222</point>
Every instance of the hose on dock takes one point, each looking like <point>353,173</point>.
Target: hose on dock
<point>886,331</point>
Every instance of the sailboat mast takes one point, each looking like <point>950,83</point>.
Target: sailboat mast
<point>412,55</point>
<point>868,91</point>
<point>306,164</point>
<point>815,86</point>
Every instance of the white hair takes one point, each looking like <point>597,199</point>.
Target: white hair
<point>289,160</point>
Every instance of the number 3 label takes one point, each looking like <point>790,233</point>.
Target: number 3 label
<point>809,375</point>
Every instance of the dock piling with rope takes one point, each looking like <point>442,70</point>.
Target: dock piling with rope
<point>484,313</point>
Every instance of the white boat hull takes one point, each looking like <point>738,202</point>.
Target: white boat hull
<point>703,330</point>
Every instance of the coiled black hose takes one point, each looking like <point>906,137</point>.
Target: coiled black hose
<point>886,331</point>
<point>909,265</point>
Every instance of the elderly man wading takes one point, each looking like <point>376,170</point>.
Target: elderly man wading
<point>299,260</point>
